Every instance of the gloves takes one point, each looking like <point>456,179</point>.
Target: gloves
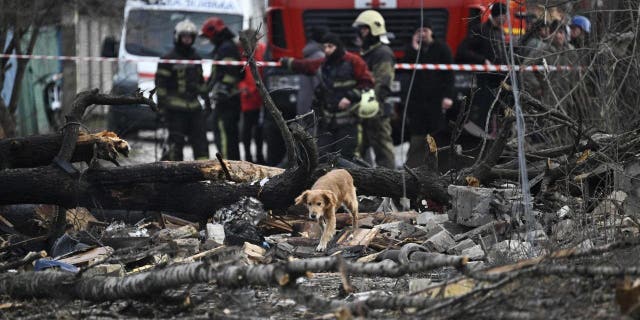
<point>285,62</point>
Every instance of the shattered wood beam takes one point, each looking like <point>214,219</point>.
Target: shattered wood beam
<point>82,101</point>
<point>181,171</point>
<point>39,150</point>
<point>142,285</point>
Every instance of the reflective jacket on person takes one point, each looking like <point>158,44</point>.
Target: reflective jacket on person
<point>343,78</point>
<point>224,79</point>
<point>380,60</point>
<point>179,85</point>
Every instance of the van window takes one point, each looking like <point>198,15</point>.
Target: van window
<point>150,32</point>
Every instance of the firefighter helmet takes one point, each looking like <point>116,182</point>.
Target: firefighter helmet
<point>369,105</point>
<point>211,27</point>
<point>374,20</point>
<point>184,27</point>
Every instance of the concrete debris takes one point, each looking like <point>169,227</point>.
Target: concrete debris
<point>215,232</point>
<point>424,217</point>
<point>474,253</point>
<point>464,244</point>
<point>473,207</point>
<point>440,242</point>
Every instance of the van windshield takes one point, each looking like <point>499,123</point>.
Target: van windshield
<point>150,32</point>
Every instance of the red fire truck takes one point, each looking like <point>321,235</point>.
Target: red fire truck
<point>288,21</point>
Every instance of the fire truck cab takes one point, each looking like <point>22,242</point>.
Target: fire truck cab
<point>289,20</point>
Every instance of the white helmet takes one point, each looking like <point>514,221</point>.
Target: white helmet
<point>184,27</point>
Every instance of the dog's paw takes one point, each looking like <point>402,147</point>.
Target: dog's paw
<point>321,247</point>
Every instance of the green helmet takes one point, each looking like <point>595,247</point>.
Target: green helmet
<point>369,105</point>
<point>374,20</point>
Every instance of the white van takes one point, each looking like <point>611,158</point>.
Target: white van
<point>147,34</point>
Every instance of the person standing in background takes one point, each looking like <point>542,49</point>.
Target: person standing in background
<point>376,131</point>
<point>178,87</point>
<point>432,93</point>
<point>251,103</point>
<point>223,84</point>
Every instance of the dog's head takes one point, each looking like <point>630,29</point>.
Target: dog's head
<point>318,202</point>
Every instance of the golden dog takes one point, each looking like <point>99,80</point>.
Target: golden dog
<point>324,198</point>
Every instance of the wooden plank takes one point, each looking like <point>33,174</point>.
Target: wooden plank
<point>358,237</point>
<point>88,256</point>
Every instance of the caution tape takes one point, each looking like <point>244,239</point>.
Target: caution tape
<point>402,66</point>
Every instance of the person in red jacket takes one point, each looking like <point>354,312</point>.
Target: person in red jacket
<point>250,104</point>
<point>343,77</point>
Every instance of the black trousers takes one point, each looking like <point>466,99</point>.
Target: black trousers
<point>184,125</point>
<point>226,117</point>
<point>252,129</point>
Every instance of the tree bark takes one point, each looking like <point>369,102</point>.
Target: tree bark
<point>144,285</point>
<point>83,100</point>
<point>39,150</point>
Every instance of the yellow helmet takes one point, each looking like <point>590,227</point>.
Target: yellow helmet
<point>369,105</point>
<point>374,20</point>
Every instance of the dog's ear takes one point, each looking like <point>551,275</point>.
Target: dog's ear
<point>330,197</point>
<point>302,199</point>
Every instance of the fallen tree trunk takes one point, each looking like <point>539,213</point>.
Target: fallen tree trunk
<point>35,151</point>
<point>422,181</point>
<point>144,285</point>
<point>183,171</point>
<point>180,187</point>
<point>50,185</point>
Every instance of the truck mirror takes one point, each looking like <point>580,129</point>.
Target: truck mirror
<point>110,47</point>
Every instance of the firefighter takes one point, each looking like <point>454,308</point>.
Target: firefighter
<point>178,87</point>
<point>223,85</point>
<point>376,132</point>
<point>344,77</point>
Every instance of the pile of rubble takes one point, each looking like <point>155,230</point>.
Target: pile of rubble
<point>483,228</point>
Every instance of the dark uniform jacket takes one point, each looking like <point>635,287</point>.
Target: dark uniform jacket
<point>380,60</point>
<point>224,79</point>
<point>343,78</point>
<point>429,88</point>
<point>179,85</point>
<point>484,42</point>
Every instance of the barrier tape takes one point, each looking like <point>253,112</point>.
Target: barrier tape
<point>402,66</point>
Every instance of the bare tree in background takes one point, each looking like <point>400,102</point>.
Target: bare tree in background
<point>20,20</point>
